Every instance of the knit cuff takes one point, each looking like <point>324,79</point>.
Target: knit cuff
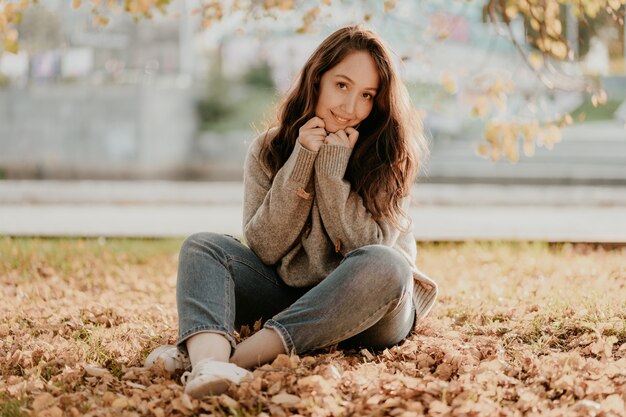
<point>424,294</point>
<point>333,160</point>
<point>301,163</point>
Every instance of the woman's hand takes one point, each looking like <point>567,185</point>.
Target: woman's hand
<point>345,138</point>
<point>312,134</point>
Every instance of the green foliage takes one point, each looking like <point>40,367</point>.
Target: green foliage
<point>213,108</point>
<point>216,103</point>
<point>259,76</point>
<point>250,109</point>
<point>235,104</point>
<point>587,112</point>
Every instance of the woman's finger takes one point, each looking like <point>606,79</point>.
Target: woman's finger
<point>343,136</point>
<point>313,123</point>
<point>316,132</point>
<point>335,139</point>
<point>353,135</point>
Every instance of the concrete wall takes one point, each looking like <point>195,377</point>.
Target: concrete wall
<point>66,131</point>
<point>133,132</point>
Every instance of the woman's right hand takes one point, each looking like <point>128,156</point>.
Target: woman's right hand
<point>312,134</point>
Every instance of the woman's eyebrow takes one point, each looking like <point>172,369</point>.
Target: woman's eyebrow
<point>352,82</point>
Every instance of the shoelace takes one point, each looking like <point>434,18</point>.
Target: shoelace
<point>181,357</point>
<point>185,377</point>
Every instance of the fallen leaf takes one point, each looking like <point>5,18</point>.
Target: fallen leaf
<point>120,403</point>
<point>282,361</point>
<point>42,402</point>
<point>316,383</point>
<point>183,406</point>
<point>437,408</point>
<point>95,371</point>
<point>51,412</point>
<point>367,355</point>
<point>614,403</point>
<point>331,372</point>
<point>587,404</point>
<point>135,385</point>
<point>285,399</point>
<point>444,371</point>
<point>226,401</point>
<point>186,400</point>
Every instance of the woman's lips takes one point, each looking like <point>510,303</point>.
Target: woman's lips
<point>339,118</point>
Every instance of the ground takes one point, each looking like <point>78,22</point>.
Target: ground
<point>519,329</point>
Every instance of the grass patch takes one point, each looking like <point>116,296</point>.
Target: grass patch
<point>11,407</point>
<point>28,255</point>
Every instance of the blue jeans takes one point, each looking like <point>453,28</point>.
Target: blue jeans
<point>365,302</point>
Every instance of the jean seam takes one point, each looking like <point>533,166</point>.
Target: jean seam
<point>288,343</point>
<point>343,336</point>
<point>229,282</point>
<point>207,328</point>
<point>252,267</point>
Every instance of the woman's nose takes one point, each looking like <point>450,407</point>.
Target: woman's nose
<point>349,103</point>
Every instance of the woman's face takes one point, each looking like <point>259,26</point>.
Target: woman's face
<point>347,92</point>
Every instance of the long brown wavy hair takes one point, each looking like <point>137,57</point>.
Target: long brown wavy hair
<point>386,157</point>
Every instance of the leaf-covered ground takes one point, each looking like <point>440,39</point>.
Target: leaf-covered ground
<point>519,329</point>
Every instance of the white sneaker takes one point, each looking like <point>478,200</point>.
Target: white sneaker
<point>213,377</point>
<point>173,359</point>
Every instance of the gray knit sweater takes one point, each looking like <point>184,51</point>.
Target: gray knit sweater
<point>308,218</point>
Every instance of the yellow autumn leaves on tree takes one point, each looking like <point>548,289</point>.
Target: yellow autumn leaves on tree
<point>211,11</point>
<point>545,18</point>
<point>502,139</point>
<point>10,17</point>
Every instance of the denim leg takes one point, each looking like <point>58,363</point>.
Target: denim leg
<point>368,294</point>
<point>222,284</point>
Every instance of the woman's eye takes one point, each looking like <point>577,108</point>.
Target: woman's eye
<point>367,96</point>
<point>341,85</point>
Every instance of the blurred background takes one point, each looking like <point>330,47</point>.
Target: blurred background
<point>112,124</point>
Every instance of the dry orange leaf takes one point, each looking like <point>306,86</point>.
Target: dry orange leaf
<point>286,399</point>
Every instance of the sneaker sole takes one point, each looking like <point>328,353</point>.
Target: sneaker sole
<point>215,387</point>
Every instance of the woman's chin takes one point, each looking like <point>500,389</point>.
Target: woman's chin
<point>335,129</point>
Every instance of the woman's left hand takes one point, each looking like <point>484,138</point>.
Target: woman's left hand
<point>345,138</point>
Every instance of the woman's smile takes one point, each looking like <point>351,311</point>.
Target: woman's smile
<point>339,119</point>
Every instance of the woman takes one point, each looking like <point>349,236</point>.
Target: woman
<point>331,255</point>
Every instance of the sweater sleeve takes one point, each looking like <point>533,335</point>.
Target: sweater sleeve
<point>274,212</point>
<point>346,219</point>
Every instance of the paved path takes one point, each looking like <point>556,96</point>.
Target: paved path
<point>442,212</point>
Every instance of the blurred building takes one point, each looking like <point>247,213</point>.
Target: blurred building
<point>85,101</point>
